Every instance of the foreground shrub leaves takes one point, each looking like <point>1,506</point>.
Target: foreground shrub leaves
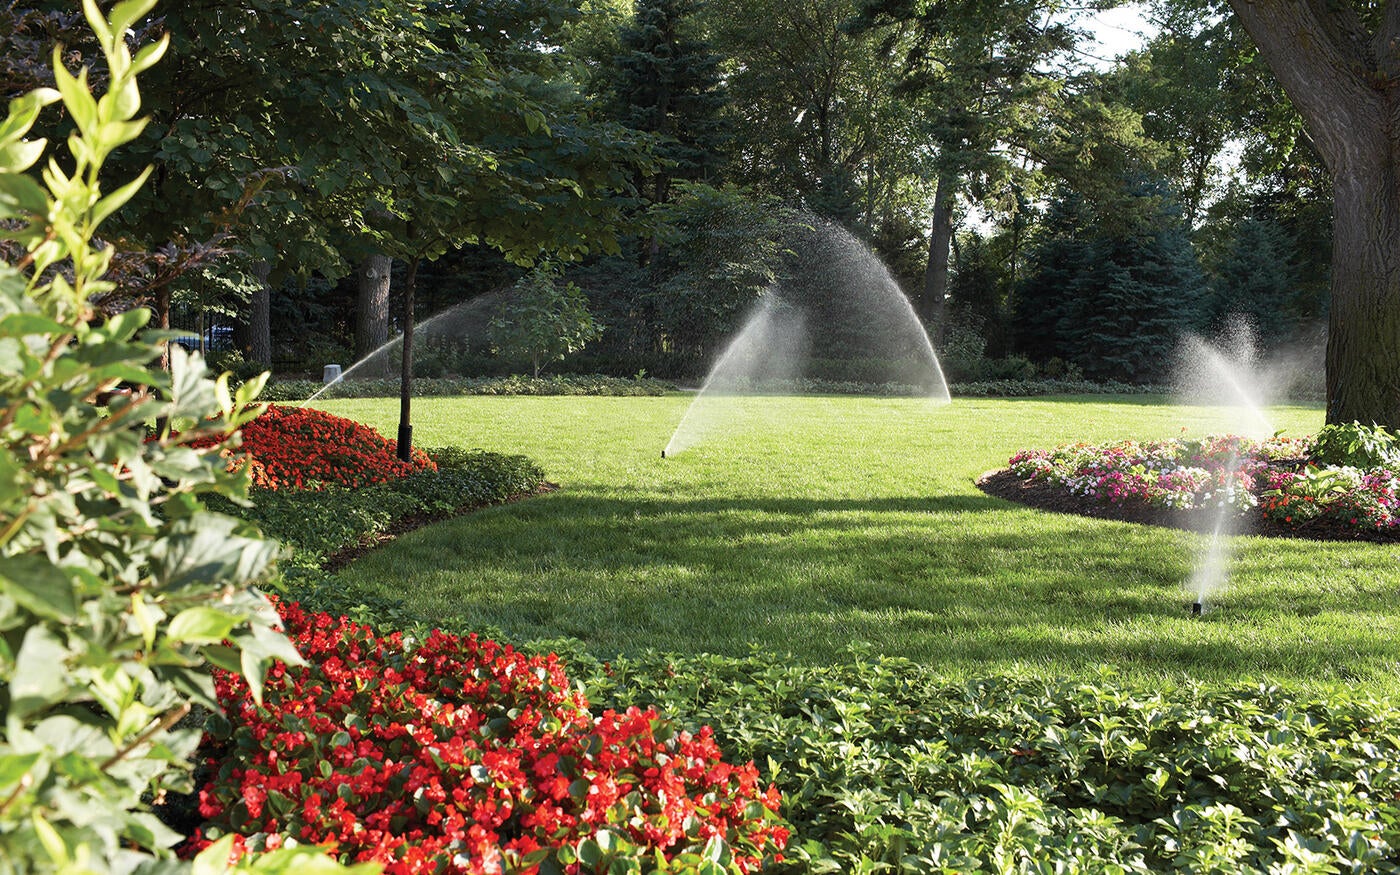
<point>457,754</point>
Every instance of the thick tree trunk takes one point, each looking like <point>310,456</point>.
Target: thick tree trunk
<point>1345,83</point>
<point>933,302</point>
<point>260,318</point>
<point>372,305</point>
<point>1363,336</point>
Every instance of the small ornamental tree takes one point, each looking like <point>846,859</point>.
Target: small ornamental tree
<point>117,587</point>
<point>542,321</point>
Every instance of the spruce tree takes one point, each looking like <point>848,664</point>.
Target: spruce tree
<point>668,84</point>
<point>1255,281</point>
<point>1113,293</point>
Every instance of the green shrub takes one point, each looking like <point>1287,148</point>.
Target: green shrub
<point>1357,446</point>
<point>118,587</point>
<point>300,390</point>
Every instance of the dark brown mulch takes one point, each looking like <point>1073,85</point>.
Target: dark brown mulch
<point>404,525</point>
<point>1045,496</point>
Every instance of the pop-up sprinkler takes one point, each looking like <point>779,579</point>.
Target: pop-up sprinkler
<point>663,454</point>
<point>1196,609</point>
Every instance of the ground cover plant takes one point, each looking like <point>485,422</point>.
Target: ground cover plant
<point>884,765</point>
<point>455,754</point>
<point>1342,482</point>
<point>331,523</point>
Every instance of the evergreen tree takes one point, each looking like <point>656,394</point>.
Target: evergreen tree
<point>1112,294</point>
<point>1256,281</point>
<point>668,84</point>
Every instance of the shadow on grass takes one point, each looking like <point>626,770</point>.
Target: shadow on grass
<point>968,583</point>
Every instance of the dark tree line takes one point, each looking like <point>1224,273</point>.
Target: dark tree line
<point>1041,211</point>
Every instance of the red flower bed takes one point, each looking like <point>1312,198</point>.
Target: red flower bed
<point>460,755</point>
<point>305,448</point>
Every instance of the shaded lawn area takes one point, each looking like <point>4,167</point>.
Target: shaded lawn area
<point>802,526</point>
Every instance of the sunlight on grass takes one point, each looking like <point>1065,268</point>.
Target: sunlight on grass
<point>813,523</point>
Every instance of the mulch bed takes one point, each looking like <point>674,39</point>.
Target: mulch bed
<point>1046,496</point>
<point>404,525</point>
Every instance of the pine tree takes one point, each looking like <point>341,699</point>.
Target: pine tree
<point>668,84</point>
<point>1256,281</point>
<point>1113,294</point>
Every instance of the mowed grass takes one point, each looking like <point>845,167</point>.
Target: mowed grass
<point>803,526</point>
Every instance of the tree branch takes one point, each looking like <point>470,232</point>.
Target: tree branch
<point>1321,68</point>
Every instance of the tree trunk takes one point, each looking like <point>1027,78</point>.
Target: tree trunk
<point>372,306</point>
<point>1342,81</point>
<point>163,323</point>
<point>260,318</point>
<point>1363,334</point>
<point>406,373</point>
<point>934,299</point>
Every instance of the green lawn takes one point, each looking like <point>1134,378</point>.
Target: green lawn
<point>803,525</point>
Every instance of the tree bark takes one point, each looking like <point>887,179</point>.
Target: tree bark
<point>260,318</point>
<point>1363,332</point>
<point>933,302</point>
<point>1343,83</point>
<point>372,305</point>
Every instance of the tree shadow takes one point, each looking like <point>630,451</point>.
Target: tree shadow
<point>966,582</point>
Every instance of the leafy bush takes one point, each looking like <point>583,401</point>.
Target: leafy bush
<point>542,321</point>
<point>457,754</point>
<point>1355,445</point>
<point>884,766</point>
<point>306,448</point>
<point>118,587</point>
<point>321,523</point>
<point>1031,388</point>
<point>299,390</point>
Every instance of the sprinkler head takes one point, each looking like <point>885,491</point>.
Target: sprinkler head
<point>663,454</point>
<point>1196,608</point>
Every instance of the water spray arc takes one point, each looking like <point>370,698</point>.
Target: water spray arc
<point>463,323</point>
<point>839,303</point>
<point>1226,373</point>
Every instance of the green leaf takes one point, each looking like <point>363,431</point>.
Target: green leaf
<point>112,202</point>
<point>39,585</point>
<point>202,625</point>
<point>24,324</point>
<point>77,98</point>
<point>40,677</point>
<point>21,197</point>
<point>13,768</point>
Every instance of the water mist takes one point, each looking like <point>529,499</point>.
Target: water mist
<point>838,307</point>
<point>1229,375</point>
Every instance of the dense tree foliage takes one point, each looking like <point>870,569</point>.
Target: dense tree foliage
<point>669,153</point>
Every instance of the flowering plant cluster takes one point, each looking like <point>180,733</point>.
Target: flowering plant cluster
<point>305,448</point>
<point>1214,471</point>
<point>459,755</point>
<point>1367,499</point>
<point>1280,476</point>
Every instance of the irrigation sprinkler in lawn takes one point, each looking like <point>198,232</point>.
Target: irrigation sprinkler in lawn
<point>839,316</point>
